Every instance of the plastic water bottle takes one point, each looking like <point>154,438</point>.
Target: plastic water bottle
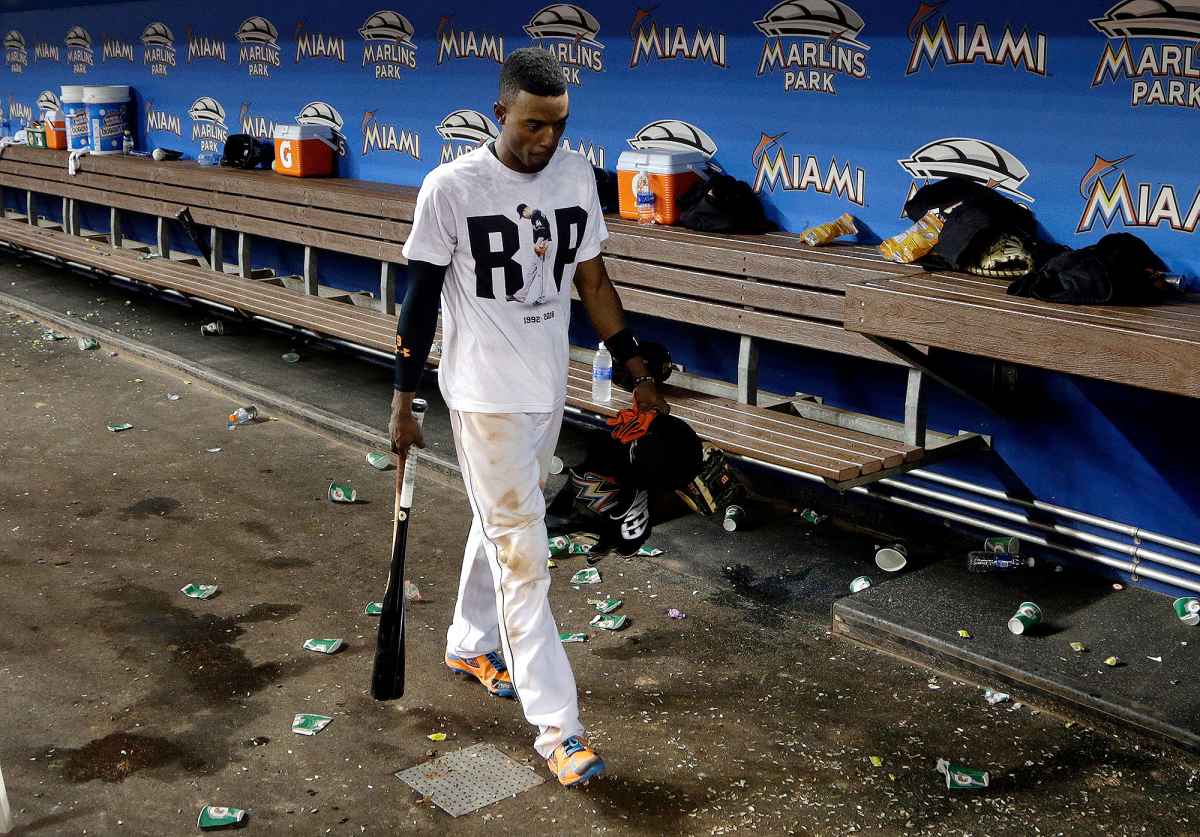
<point>127,143</point>
<point>645,200</point>
<point>243,415</point>
<point>602,376</point>
<point>992,562</point>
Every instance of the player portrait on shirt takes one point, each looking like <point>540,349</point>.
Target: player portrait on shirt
<point>534,289</point>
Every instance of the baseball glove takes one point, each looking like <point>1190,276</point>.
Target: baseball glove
<point>715,487</point>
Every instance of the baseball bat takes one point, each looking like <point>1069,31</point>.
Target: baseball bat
<point>184,217</point>
<point>387,676</point>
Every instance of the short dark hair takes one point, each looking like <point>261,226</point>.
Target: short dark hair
<point>532,70</point>
<point>521,209</point>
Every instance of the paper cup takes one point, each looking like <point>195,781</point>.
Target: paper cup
<point>891,558</point>
<point>1027,615</point>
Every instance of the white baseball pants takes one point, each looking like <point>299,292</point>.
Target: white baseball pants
<point>503,593</point>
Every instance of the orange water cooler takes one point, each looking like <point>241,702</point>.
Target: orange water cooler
<point>670,174</point>
<point>304,150</point>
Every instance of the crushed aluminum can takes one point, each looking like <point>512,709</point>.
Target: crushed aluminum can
<point>1027,616</point>
<point>307,724</point>
<point>1078,647</point>
<point>1187,608</point>
<point>172,396</point>
<point>605,605</point>
<point>380,460</point>
<point>373,609</point>
<point>86,344</point>
<point>577,548</point>
<point>340,492</point>
<point>859,584</point>
<point>735,518</point>
<point>567,636</point>
<point>993,697</point>
<point>649,552</point>
<point>218,816</point>
<point>117,428</point>
<point>612,622</point>
<point>323,646</point>
<point>53,336</point>
<point>214,329</point>
<point>962,778</point>
<point>558,546</point>
<point>199,591</point>
<point>1006,545</point>
<point>588,575</point>
<point>813,517</point>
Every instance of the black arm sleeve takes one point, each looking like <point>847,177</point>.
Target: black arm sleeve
<point>417,323</point>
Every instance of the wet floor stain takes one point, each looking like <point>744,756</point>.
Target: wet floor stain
<point>260,530</point>
<point>118,755</point>
<point>152,507</point>
<point>283,562</point>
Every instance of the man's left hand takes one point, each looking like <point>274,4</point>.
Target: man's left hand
<point>646,397</point>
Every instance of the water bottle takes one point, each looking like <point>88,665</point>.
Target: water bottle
<point>209,158</point>
<point>991,562</point>
<point>127,143</point>
<point>243,415</point>
<point>602,376</point>
<point>645,199</point>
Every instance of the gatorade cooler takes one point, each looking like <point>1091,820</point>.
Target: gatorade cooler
<point>35,135</point>
<point>107,116</point>
<point>75,117</point>
<point>56,130</point>
<point>304,150</point>
<point>671,174</point>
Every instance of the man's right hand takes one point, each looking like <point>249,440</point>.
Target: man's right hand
<point>402,426</point>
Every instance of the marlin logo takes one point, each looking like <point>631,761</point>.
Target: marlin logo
<point>812,42</point>
<point>1160,73</point>
<point>318,45</point>
<point>16,55</point>
<point>389,44</point>
<point>382,136</point>
<point>158,48</point>
<point>805,173</point>
<point>255,126</point>
<point>468,128</point>
<point>975,159</point>
<point>160,120</point>
<point>208,123</point>
<point>47,102</point>
<point>571,34</point>
<point>114,50</point>
<point>970,44</point>
<point>258,46</point>
<point>673,135</point>
<point>455,44</point>
<point>650,40</point>
<point>597,491</point>
<point>1110,198</point>
<point>79,50</point>
<point>326,115</point>
<point>201,47</point>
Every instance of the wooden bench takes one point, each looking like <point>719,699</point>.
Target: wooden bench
<point>1153,347</point>
<point>760,288</point>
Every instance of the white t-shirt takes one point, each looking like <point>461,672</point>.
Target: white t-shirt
<point>511,241</point>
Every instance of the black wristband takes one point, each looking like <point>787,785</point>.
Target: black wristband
<point>622,346</point>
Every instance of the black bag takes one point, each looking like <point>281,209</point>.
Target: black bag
<point>606,188</point>
<point>243,151</point>
<point>1119,269</point>
<point>723,204</point>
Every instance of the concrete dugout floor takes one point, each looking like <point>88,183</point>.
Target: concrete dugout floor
<point>746,717</point>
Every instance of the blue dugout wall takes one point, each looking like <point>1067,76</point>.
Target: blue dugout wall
<point>1082,110</point>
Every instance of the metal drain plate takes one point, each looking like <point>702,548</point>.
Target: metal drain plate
<point>462,782</point>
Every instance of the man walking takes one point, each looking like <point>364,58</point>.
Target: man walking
<point>503,375</point>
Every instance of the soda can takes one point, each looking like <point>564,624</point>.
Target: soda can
<point>588,575</point>
<point>1007,545</point>
<point>558,546</point>
<point>199,591</point>
<point>1187,608</point>
<point>214,329</point>
<point>962,778</point>
<point>340,492</point>
<point>117,428</point>
<point>379,460</point>
<point>86,344</point>
<point>567,636</point>
<point>891,558</point>
<point>649,552</point>
<point>1027,615</point>
<point>323,646</point>
<point>859,584</point>
<point>373,609</point>
<point>218,816</point>
<point>306,724</point>
<point>605,605</point>
<point>812,517</point>
<point>735,518</point>
<point>612,622</point>
<point>576,548</point>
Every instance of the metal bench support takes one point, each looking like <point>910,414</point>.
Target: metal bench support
<point>162,238</point>
<point>916,408</point>
<point>310,271</point>
<point>114,227</point>
<point>243,255</point>
<point>30,214</point>
<point>387,287</point>
<point>748,371</point>
<point>216,246</point>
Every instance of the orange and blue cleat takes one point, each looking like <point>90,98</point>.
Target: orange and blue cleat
<point>574,763</point>
<point>489,669</point>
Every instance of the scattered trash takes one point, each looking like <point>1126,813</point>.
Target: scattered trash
<point>117,428</point>
<point>373,609</point>
<point>86,344</point>
<point>551,564</point>
<point>556,465</point>
<point>649,552</point>
<point>813,517</point>
<point>961,778</point>
<point>735,518</point>
<point>136,381</point>
<point>306,724</point>
<point>557,546</point>
<point>214,450</point>
<point>1187,608</point>
<point>323,646</point>
<point>993,697</point>
<point>891,558</point>
<point>825,233</point>
<point>290,357</point>
<point>859,584</point>
<point>437,736</point>
<point>990,562</point>
<point>1027,615</point>
<point>964,633</point>
<point>1078,647</point>
<point>590,575</point>
<point>567,636</point>
<point>243,415</point>
<point>53,336</point>
<point>217,816</point>
<point>613,622</point>
<point>577,547</point>
<point>1155,659</point>
<point>1118,586</point>
<point>676,613</point>
<point>145,257</point>
<point>876,761</point>
<point>412,593</point>
<point>214,329</point>
<point>1112,662</point>
<point>605,605</point>
<point>172,396</point>
<point>380,460</point>
<point>340,492</point>
<point>1005,545</point>
<point>199,591</point>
